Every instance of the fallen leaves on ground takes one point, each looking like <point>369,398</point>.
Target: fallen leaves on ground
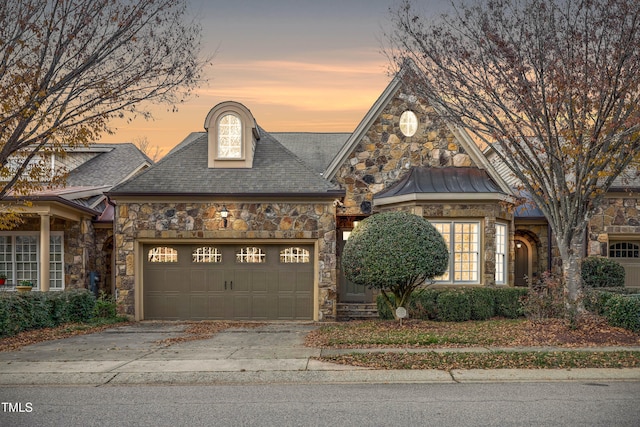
<point>35,336</point>
<point>589,331</point>
<point>204,329</point>
<point>493,360</point>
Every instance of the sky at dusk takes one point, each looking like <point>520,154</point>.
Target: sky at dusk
<point>298,65</point>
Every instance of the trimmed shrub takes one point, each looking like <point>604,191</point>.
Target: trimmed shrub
<point>80,305</point>
<point>454,306</point>
<point>482,303</point>
<point>105,306</point>
<point>623,311</point>
<point>395,252</point>
<point>508,302</point>
<point>598,272</point>
<point>33,310</point>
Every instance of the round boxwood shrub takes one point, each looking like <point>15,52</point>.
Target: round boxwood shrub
<point>598,272</point>
<point>395,252</point>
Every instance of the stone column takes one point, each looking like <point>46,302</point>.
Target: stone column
<point>44,252</point>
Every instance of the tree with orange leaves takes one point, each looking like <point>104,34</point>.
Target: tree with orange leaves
<point>68,67</point>
<point>552,86</point>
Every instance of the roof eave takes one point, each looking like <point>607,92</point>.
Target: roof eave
<point>443,197</point>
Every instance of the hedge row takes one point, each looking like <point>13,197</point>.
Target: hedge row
<point>459,305</point>
<point>620,306</point>
<point>34,310</point>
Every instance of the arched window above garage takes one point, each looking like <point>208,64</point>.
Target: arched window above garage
<point>206,254</point>
<point>251,255</point>
<point>232,135</point>
<point>162,254</point>
<point>294,255</point>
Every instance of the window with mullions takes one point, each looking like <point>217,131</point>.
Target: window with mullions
<point>624,250</point>
<point>251,255</point>
<point>230,137</point>
<point>501,254</point>
<point>463,242</point>
<point>20,258</point>
<point>294,255</point>
<point>206,254</point>
<point>162,254</point>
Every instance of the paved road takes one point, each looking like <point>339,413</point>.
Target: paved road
<point>494,404</point>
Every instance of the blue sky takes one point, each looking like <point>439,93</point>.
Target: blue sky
<point>298,65</point>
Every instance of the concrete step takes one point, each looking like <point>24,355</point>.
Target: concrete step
<point>356,311</point>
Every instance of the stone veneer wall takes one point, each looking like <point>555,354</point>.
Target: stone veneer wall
<point>384,154</point>
<point>615,216</point>
<point>246,221</point>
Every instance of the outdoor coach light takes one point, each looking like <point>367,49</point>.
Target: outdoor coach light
<point>518,245</point>
<point>224,213</point>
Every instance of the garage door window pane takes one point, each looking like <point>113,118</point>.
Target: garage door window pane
<point>294,255</point>
<point>163,254</point>
<point>624,250</point>
<point>206,254</point>
<point>251,255</point>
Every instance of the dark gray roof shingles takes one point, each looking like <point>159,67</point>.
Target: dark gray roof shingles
<point>110,168</point>
<point>275,171</point>
<point>315,149</point>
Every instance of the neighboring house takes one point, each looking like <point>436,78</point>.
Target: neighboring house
<point>68,232</point>
<point>239,223</point>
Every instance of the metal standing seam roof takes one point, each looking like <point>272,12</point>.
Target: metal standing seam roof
<point>424,179</point>
<point>275,170</point>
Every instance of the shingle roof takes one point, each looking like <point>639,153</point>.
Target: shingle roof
<point>275,170</point>
<point>110,168</point>
<point>315,149</point>
<point>426,179</point>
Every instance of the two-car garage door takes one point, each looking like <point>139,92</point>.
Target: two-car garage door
<point>231,282</point>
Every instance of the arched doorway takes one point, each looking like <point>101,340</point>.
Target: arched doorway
<point>523,261</point>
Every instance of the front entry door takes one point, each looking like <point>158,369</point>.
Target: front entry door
<point>349,291</point>
<point>522,264</point>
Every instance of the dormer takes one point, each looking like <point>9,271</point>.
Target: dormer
<point>232,136</point>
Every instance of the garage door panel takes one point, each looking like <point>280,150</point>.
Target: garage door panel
<point>198,280</point>
<point>196,290</point>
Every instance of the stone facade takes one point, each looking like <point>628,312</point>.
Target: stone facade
<point>384,154</point>
<point>616,216</point>
<point>248,221</point>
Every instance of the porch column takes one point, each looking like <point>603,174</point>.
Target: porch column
<point>44,252</point>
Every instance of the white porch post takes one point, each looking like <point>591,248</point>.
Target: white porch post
<point>44,252</point>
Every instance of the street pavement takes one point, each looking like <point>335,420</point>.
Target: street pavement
<point>272,353</point>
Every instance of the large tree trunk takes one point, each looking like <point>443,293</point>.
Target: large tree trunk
<point>572,272</point>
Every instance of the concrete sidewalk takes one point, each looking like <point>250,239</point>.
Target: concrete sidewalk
<point>274,353</point>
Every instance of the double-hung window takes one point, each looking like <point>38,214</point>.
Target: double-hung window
<point>501,254</point>
<point>20,258</point>
<point>463,241</point>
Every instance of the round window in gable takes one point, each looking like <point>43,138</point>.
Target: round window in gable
<point>408,123</point>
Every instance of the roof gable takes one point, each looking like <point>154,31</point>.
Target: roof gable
<point>392,91</point>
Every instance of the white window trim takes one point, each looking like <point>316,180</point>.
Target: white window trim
<point>37,236</point>
<point>501,255</point>
<point>451,280</point>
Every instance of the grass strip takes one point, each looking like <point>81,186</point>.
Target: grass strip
<point>494,360</point>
